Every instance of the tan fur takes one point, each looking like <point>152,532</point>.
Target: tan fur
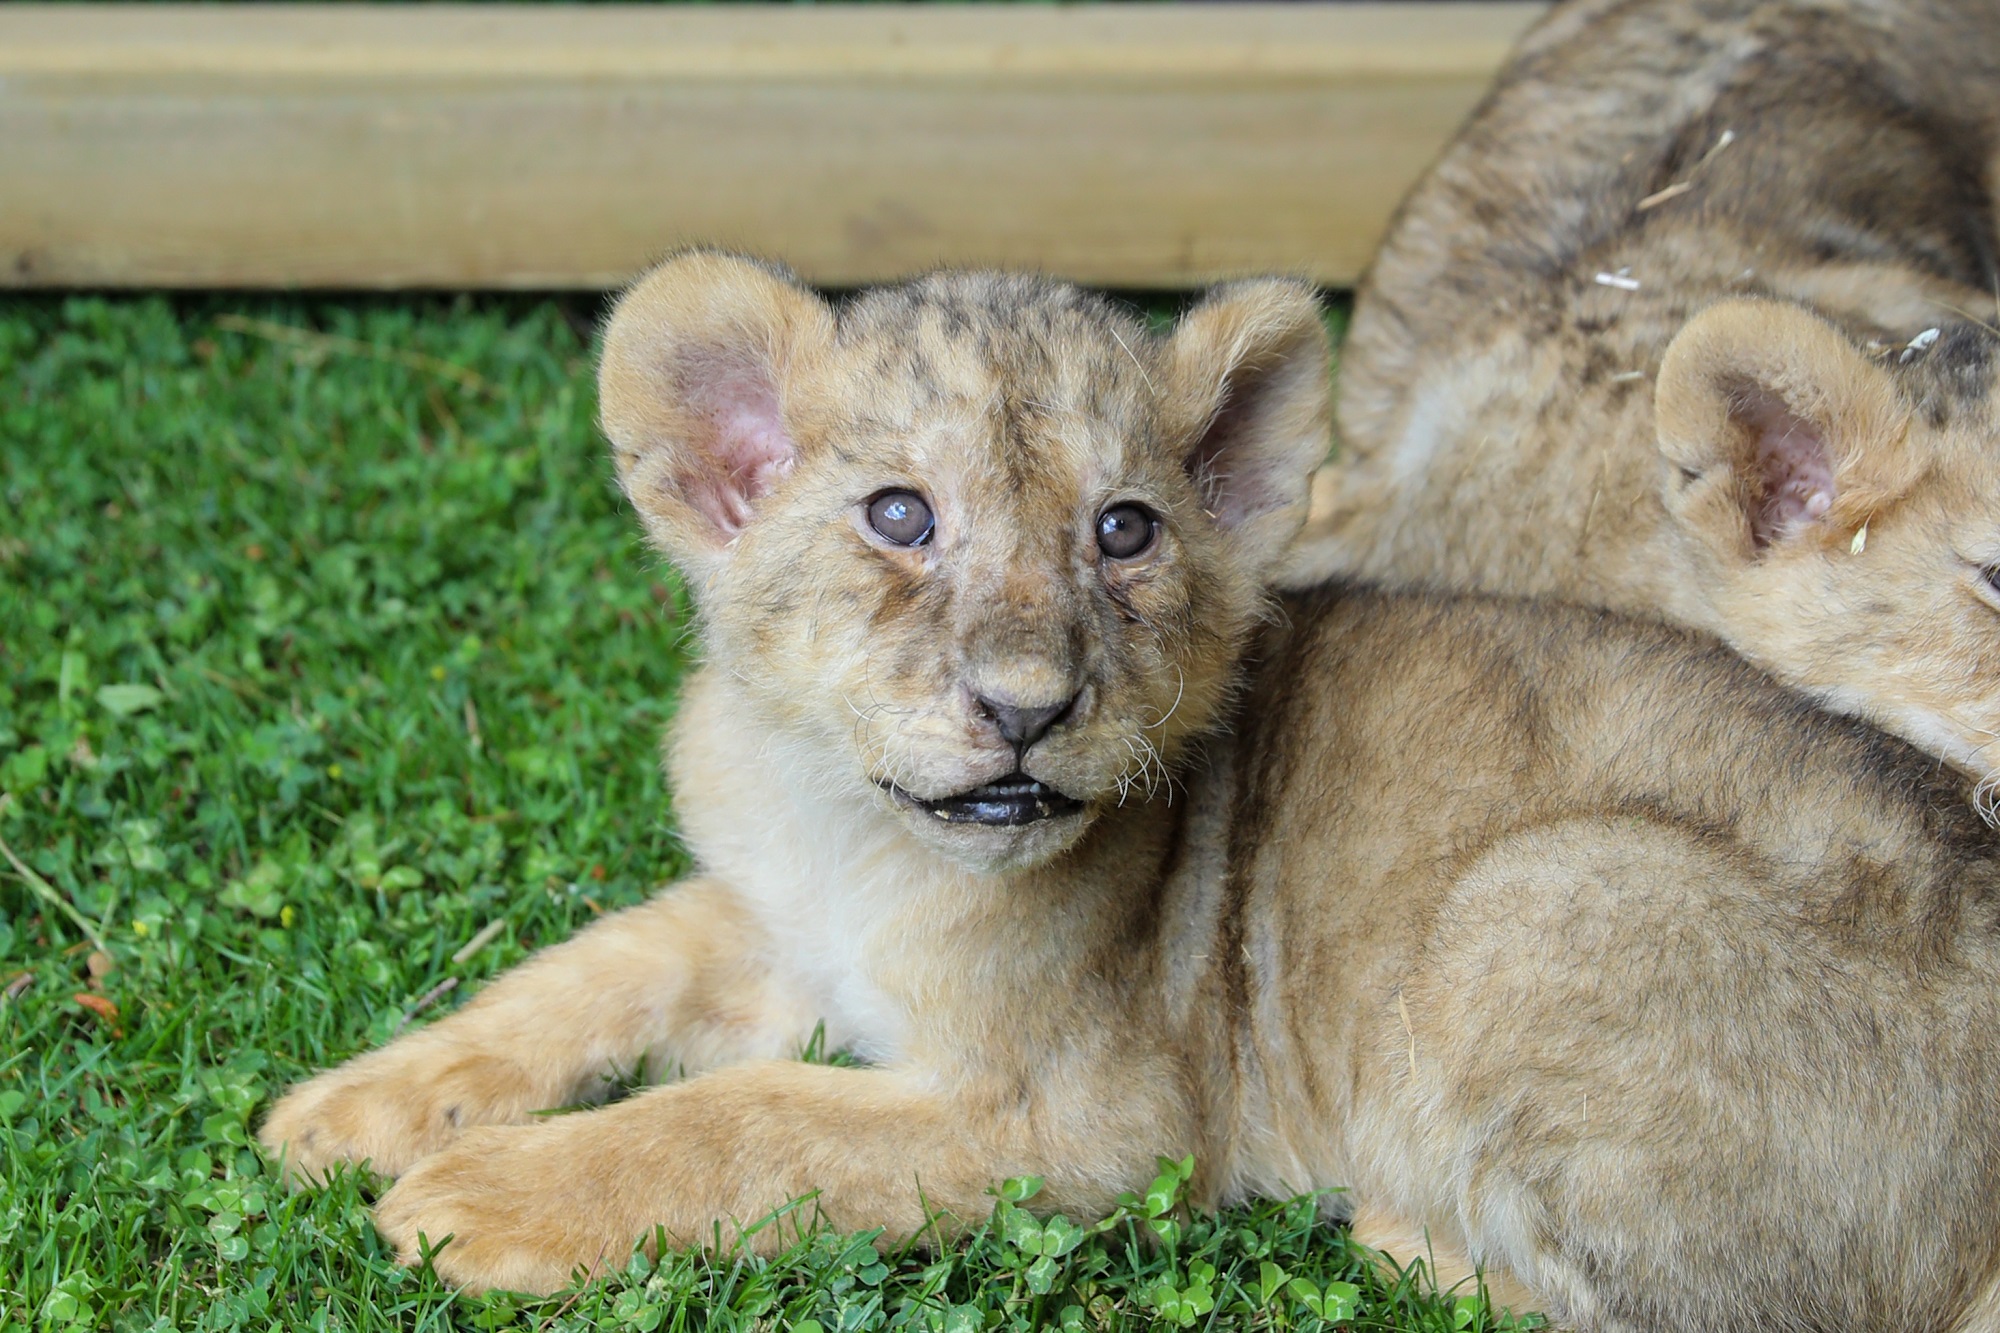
<point>1510,422</point>
<point>1400,1245</point>
<point>1571,946</point>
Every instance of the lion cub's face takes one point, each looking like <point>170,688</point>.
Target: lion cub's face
<point>981,547</point>
<point>1848,502</point>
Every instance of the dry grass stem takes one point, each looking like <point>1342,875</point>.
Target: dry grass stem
<point>48,893</point>
<point>427,999</point>
<point>1658,197</point>
<point>478,941</point>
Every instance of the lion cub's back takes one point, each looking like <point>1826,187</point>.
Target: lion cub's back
<point>1577,931</point>
<point>1402,734</point>
<point>1849,131</point>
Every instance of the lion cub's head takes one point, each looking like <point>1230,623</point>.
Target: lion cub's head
<point>1843,503</point>
<point>983,546</point>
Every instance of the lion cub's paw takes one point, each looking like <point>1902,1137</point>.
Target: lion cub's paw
<point>515,1209</point>
<point>392,1108</point>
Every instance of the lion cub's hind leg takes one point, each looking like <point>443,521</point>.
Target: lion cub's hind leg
<point>1451,1269</point>
<point>674,984</point>
<point>1629,1046</point>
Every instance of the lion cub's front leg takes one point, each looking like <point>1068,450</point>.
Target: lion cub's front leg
<point>678,981</point>
<point>703,1161</point>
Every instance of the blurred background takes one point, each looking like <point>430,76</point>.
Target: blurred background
<point>1142,146</point>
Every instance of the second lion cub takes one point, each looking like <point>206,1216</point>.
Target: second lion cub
<point>1693,321</point>
<point>1572,947</point>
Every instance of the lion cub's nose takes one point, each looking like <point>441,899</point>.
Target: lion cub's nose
<point>1022,726</point>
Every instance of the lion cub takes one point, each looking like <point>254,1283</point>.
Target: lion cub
<point>1693,321</point>
<point>1573,947</point>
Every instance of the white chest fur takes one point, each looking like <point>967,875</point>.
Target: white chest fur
<point>843,893</point>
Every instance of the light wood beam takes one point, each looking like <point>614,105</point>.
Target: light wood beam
<point>381,146</point>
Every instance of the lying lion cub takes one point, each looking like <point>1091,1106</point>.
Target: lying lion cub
<point>1573,947</point>
<point>1807,467</point>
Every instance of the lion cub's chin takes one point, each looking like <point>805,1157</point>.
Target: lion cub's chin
<point>995,847</point>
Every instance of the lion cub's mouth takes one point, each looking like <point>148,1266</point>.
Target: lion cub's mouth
<point>1014,799</point>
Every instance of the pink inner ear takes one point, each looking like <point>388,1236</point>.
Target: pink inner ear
<point>1793,469</point>
<point>744,452</point>
<point>1210,469</point>
<point>1231,464</point>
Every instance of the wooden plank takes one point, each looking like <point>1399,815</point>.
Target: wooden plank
<point>551,146</point>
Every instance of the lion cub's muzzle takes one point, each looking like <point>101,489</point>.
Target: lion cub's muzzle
<point>1012,722</point>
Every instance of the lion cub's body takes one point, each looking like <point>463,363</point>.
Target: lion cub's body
<point>1572,947</point>
<point>1578,948</point>
<point>1511,419</point>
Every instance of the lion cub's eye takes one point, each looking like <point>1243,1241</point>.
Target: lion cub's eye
<point>901,517</point>
<point>1123,531</point>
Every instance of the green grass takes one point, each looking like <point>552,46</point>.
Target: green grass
<point>320,653</point>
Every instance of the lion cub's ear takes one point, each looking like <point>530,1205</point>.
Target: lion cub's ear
<point>1251,383</point>
<point>1783,432</point>
<point>697,358</point>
